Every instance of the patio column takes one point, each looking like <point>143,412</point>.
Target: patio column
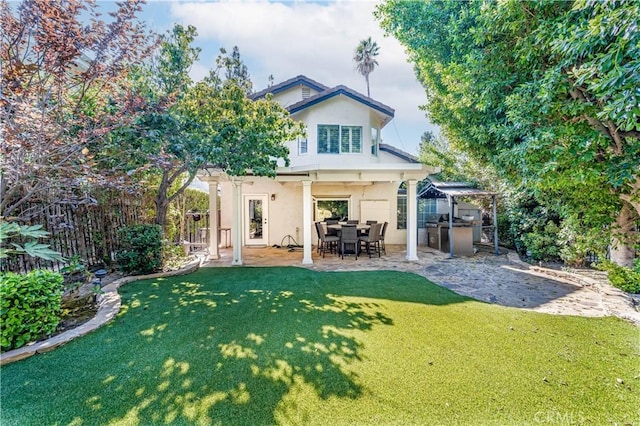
<point>306,222</point>
<point>214,252</point>
<point>236,226</point>
<point>412,220</point>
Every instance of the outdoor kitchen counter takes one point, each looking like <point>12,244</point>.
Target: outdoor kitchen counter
<point>438,237</point>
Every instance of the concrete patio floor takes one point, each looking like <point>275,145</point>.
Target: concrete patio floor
<point>502,279</point>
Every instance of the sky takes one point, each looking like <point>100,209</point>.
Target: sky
<point>315,39</point>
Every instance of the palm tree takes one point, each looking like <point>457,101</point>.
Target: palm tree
<point>365,59</point>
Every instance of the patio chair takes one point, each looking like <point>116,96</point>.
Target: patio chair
<point>327,242</point>
<point>382,234</point>
<point>353,222</point>
<point>372,240</point>
<point>318,224</point>
<point>349,236</point>
<point>332,232</point>
<point>364,232</point>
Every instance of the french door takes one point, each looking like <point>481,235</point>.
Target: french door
<point>256,231</point>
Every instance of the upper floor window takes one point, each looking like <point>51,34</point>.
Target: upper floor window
<point>303,145</point>
<point>334,139</point>
<point>351,139</point>
<point>375,138</point>
<point>328,139</point>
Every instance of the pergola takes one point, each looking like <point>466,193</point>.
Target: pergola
<point>451,190</point>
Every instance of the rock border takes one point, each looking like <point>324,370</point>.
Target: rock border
<point>109,303</point>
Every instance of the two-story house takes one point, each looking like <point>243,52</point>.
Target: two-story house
<point>339,169</point>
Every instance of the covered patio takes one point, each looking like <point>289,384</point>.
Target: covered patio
<point>287,205</point>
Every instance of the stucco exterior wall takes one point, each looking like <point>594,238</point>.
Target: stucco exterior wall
<point>291,96</point>
<point>285,212</point>
<point>342,111</point>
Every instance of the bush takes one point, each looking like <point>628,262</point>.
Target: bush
<point>542,243</point>
<point>140,248</point>
<point>30,306</point>
<point>626,279</point>
<point>173,255</point>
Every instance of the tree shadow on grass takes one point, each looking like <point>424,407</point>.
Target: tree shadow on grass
<point>229,346</point>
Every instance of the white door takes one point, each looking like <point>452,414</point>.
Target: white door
<point>255,220</point>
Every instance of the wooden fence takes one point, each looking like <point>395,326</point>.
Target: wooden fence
<point>86,231</point>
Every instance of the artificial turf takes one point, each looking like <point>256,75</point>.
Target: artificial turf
<point>254,346</point>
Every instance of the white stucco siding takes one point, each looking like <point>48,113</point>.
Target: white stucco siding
<point>285,212</point>
<point>342,111</point>
<point>292,95</point>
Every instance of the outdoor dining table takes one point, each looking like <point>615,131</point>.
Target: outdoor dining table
<point>359,226</point>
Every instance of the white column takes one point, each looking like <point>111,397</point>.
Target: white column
<point>306,222</point>
<point>412,220</point>
<point>214,252</point>
<point>236,226</point>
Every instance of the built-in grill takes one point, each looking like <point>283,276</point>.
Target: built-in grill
<point>438,233</point>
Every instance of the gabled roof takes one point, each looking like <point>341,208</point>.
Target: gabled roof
<point>300,80</point>
<point>323,94</point>
<point>398,153</point>
<point>341,90</point>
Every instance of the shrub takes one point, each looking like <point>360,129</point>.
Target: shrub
<point>542,243</point>
<point>626,279</point>
<point>30,306</point>
<point>140,248</point>
<point>173,255</point>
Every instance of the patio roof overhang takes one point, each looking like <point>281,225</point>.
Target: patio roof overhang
<point>365,175</point>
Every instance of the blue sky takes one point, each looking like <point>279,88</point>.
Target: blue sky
<point>316,39</point>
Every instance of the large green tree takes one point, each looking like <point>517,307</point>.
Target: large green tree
<point>187,126</point>
<point>548,92</point>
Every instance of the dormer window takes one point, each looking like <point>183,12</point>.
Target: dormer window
<point>306,92</point>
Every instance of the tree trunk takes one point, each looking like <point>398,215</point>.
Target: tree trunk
<point>162,201</point>
<point>622,252</point>
<point>366,78</point>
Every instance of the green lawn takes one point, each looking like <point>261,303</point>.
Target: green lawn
<point>254,346</point>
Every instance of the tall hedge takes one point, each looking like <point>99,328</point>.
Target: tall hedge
<point>30,306</point>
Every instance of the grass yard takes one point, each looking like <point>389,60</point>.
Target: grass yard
<point>254,346</point>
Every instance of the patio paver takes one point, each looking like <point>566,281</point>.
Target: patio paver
<point>502,279</point>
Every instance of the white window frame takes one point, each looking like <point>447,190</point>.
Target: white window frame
<point>327,128</point>
<point>348,131</point>
<point>324,130</point>
<point>303,146</point>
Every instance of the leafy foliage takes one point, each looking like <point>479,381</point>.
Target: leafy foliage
<point>185,126</point>
<point>546,92</point>
<point>140,248</point>
<point>62,73</point>
<point>30,306</point>
<point>31,247</point>
<point>625,279</point>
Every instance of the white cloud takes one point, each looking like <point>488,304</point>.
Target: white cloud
<point>314,39</point>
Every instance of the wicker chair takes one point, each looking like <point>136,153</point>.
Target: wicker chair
<point>372,240</point>
<point>327,242</point>
<point>382,234</point>
<point>348,237</point>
